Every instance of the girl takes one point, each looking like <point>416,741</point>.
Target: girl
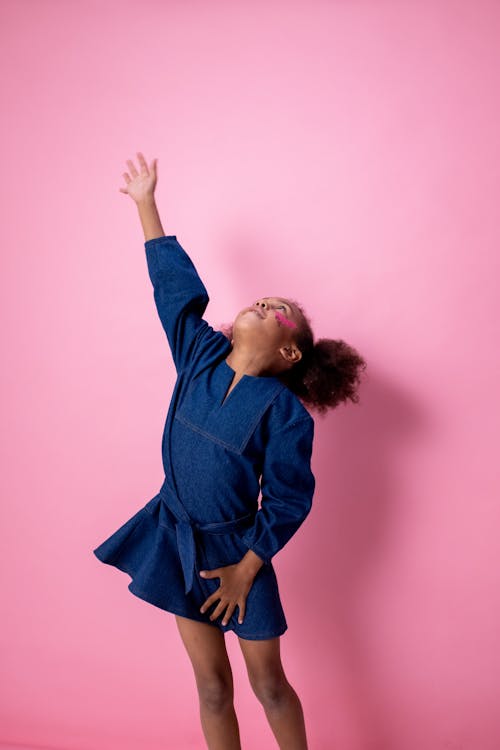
<point>237,425</point>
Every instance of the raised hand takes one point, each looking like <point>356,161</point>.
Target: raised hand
<point>140,185</point>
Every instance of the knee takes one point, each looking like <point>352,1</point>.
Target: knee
<point>272,690</point>
<point>215,693</point>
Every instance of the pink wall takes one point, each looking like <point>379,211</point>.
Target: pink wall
<point>344,153</point>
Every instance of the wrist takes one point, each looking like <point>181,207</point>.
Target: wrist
<point>150,219</point>
<point>146,200</point>
<point>251,563</point>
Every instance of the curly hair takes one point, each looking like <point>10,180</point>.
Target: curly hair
<point>328,373</point>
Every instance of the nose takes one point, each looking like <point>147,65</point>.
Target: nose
<point>259,307</point>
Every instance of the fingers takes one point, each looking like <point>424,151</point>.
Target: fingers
<point>224,605</point>
<point>132,169</point>
<point>231,606</point>
<point>219,610</point>
<point>213,573</point>
<point>127,179</point>
<point>210,600</point>
<point>242,607</point>
<point>229,613</point>
<point>142,162</point>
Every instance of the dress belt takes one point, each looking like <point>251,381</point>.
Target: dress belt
<point>184,529</point>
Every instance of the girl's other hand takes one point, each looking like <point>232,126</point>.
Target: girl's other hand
<point>235,583</point>
<point>140,185</point>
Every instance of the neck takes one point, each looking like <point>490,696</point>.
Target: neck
<point>245,362</point>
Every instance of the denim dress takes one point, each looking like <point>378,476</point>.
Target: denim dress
<point>219,455</point>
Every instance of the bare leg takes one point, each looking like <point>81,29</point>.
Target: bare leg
<point>206,648</point>
<point>280,701</point>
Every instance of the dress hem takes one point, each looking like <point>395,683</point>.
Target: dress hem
<point>144,596</point>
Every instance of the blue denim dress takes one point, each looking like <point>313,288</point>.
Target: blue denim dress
<point>218,455</point>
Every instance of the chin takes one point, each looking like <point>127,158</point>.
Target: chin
<point>244,320</point>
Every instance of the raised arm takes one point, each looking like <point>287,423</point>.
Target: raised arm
<point>180,297</point>
<point>179,293</point>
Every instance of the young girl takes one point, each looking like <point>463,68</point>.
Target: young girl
<point>237,425</point>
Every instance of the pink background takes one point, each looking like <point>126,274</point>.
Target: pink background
<point>344,153</point>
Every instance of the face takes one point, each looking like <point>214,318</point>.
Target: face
<point>269,324</point>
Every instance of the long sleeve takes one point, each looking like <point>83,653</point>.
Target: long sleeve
<point>287,486</point>
<point>180,297</point>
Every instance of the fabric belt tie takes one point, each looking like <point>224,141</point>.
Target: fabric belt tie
<point>185,533</point>
<point>187,543</point>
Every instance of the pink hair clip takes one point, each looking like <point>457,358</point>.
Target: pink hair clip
<point>281,319</point>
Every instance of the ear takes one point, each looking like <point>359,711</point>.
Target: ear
<point>291,353</point>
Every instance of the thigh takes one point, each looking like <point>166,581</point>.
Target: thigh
<point>206,648</point>
<point>262,657</point>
